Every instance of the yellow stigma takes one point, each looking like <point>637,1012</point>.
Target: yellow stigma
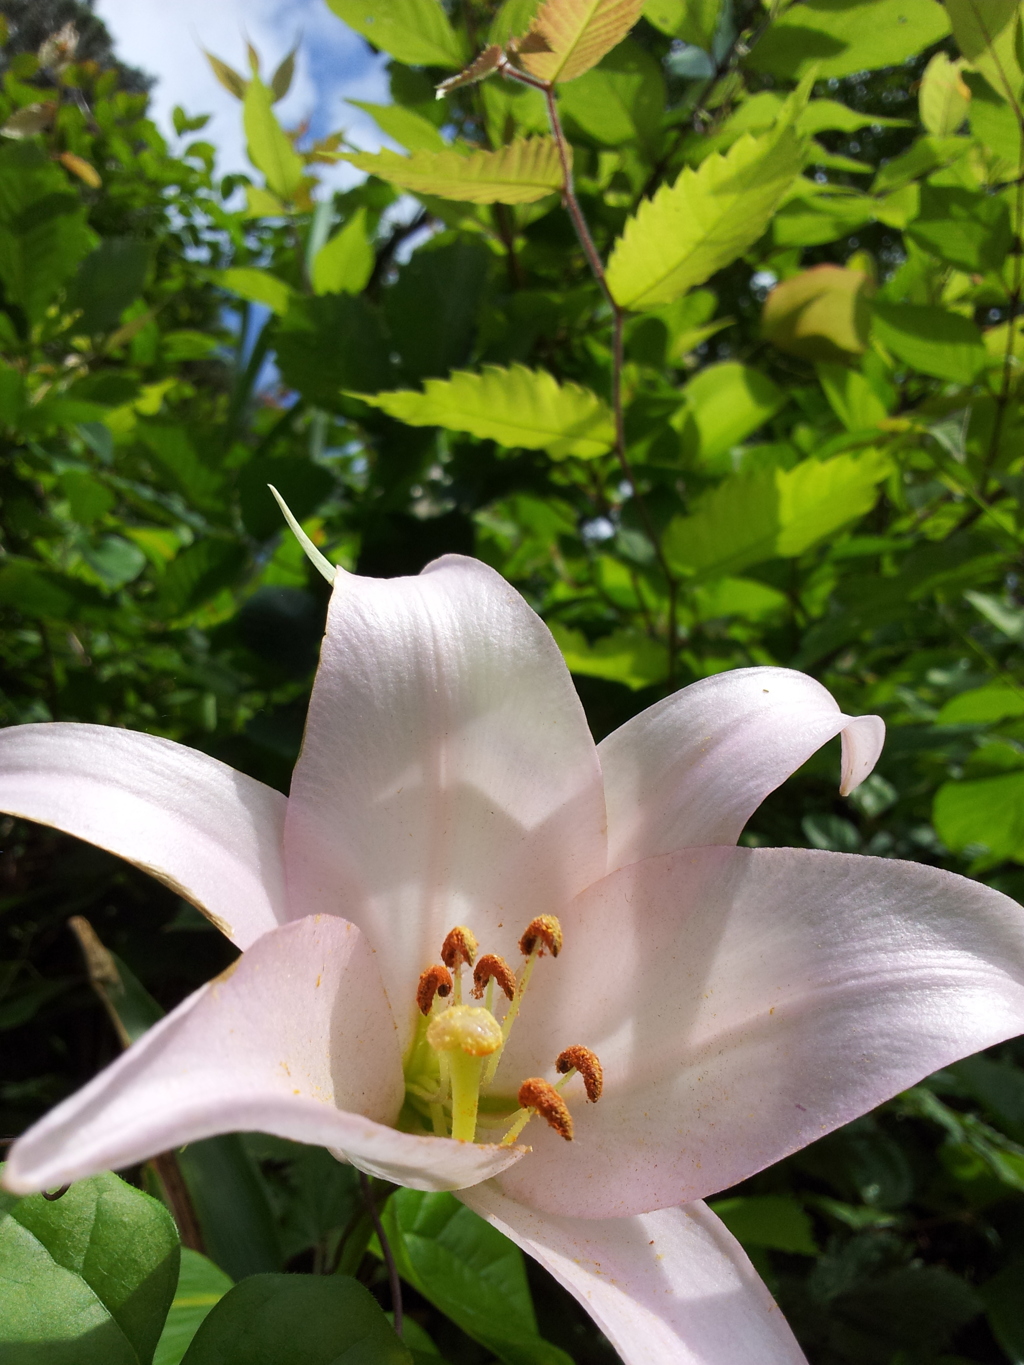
<point>469,1028</point>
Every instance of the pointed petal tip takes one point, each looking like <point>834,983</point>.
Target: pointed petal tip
<point>862,742</point>
<point>320,562</point>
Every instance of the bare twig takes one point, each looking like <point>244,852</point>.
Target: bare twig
<point>394,1283</point>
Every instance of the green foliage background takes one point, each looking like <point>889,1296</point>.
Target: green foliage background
<point>832,481</point>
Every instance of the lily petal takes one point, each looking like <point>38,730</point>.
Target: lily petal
<point>761,998</point>
<point>211,834</point>
<point>297,1039</point>
<point>447,774</point>
<point>667,1288</point>
<point>692,769</point>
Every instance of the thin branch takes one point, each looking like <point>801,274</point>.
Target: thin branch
<point>579,222</point>
<point>394,1282</point>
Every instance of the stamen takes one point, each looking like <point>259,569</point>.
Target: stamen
<point>458,948</point>
<point>436,980</point>
<point>493,968</point>
<point>584,1061</point>
<point>542,932</point>
<point>542,1097</point>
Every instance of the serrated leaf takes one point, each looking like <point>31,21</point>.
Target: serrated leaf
<point>227,75</point>
<point>987,33</point>
<point>578,34</point>
<point>345,263</point>
<point>478,70</point>
<point>524,171</point>
<point>417,32</point>
<point>774,513</point>
<point>625,656</point>
<point>270,148</point>
<point>708,218</point>
<point>408,128</point>
<point>516,407</point>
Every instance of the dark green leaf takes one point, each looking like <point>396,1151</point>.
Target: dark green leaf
<point>201,1285</point>
<point>331,343</point>
<point>470,1271</point>
<point>931,339</point>
<point>432,309</point>
<point>108,280</point>
<point>199,573</point>
<point>971,231</point>
<point>297,1320</point>
<point>86,1279</point>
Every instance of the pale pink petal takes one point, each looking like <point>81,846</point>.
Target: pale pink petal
<point>667,1288</point>
<point>447,774</point>
<point>744,1002</point>
<point>692,769</point>
<point>211,834</point>
<point>296,1040</point>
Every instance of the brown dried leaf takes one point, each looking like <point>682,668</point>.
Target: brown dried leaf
<point>578,33</point>
<point>77,165</point>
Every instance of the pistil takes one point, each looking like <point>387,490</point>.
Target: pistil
<point>464,1035</point>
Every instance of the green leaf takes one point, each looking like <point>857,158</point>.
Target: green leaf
<point>851,397</point>
<point>694,21</point>
<point>774,513</point>
<point>330,343</point>
<point>931,340</point>
<point>811,219</point>
<point>724,404</point>
<point>201,1285</point>
<point>838,38</point>
<point>821,314</point>
<point>344,264</point>
<point>258,286</point>
<point>969,230</point>
<point>619,101</point>
<point>943,99</point>
<point>470,1271</point>
<point>417,32</point>
<point>775,1221</point>
<point>987,32</point>
<point>270,148</point>
<point>999,1086</point>
<point>524,171</point>
<point>281,81</point>
<point>625,656</point>
<point>232,1205</point>
<point>199,573</point>
<point>984,817</point>
<point>108,280</point>
<point>995,701</point>
<point>516,407</point>
<point>86,1279</point>
<point>408,128</point>
<point>577,34</point>
<point>434,306</point>
<point>1004,1306</point>
<point>296,1320</point>
<point>708,218</point>
<point>994,123</point>
<point>43,228</point>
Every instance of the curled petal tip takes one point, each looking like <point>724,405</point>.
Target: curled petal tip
<point>320,562</point>
<point>862,744</point>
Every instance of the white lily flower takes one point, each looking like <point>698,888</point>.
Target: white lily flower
<point>741,1002</point>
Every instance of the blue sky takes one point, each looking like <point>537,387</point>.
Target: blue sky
<point>166,38</point>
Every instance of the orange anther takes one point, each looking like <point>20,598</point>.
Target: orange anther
<point>491,967</point>
<point>586,1063</point>
<point>436,980</point>
<point>458,947</point>
<point>545,931</point>
<point>541,1096</point>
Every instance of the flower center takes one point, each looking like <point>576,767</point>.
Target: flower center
<point>457,1047</point>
